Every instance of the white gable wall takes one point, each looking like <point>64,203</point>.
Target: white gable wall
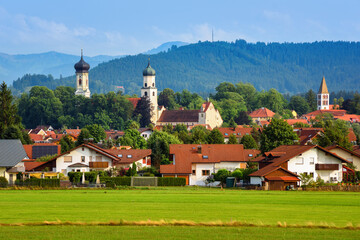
<point>318,156</point>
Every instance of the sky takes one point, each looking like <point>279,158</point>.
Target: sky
<point>115,27</point>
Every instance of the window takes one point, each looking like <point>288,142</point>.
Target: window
<point>68,159</point>
<point>205,156</point>
<point>98,158</point>
<point>153,93</point>
<point>78,170</point>
<point>83,149</point>
<point>194,171</point>
<point>82,158</point>
<point>311,174</point>
<point>226,134</point>
<point>129,156</point>
<point>299,161</point>
<point>145,93</point>
<point>119,155</point>
<point>319,102</point>
<point>145,84</point>
<point>205,172</point>
<point>144,161</point>
<point>80,81</point>
<point>311,161</point>
<point>250,155</point>
<point>153,84</point>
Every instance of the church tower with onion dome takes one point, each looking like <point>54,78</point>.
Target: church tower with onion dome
<point>149,90</point>
<point>82,77</point>
<point>323,96</point>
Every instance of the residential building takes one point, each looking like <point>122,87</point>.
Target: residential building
<point>238,131</point>
<point>310,159</point>
<point>262,115</point>
<point>350,156</point>
<point>11,155</point>
<point>196,162</point>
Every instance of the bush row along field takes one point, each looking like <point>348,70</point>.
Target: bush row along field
<point>180,203</point>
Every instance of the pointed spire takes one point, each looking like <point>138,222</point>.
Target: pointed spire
<point>149,62</point>
<point>323,88</point>
<point>81,53</point>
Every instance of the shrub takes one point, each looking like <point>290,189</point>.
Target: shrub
<point>238,174</point>
<point>171,181</point>
<point>38,182</point>
<point>118,181</point>
<point>221,175</point>
<point>3,182</point>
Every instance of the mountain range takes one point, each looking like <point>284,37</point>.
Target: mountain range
<point>200,67</point>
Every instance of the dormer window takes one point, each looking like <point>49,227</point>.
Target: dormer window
<point>205,156</point>
<point>226,134</point>
<point>119,155</point>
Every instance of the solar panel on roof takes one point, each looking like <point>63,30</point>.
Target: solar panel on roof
<point>39,151</point>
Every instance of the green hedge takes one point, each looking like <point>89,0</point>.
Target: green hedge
<point>3,182</point>
<point>171,181</point>
<point>118,181</point>
<point>75,177</point>
<point>46,182</point>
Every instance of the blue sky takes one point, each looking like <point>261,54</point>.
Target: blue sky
<point>130,27</point>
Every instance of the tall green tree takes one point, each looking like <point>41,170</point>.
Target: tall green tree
<point>310,97</point>
<point>199,134</point>
<point>249,142</point>
<point>133,139</point>
<point>143,110</point>
<point>8,113</point>
<point>167,99</point>
<point>335,132</point>
<point>299,104</point>
<point>66,144</point>
<point>84,136</point>
<point>232,139</point>
<point>159,144</point>
<point>277,133</point>
<point>215,137</point>
<point>97,132</point>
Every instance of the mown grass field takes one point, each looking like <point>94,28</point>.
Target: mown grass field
<point>191,204</point>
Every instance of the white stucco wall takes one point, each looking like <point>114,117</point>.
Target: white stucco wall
<point>347,156</point>
<point>320,158</point>
<point>199,179</point>
<point>255,180</point>
<point>76,155</point>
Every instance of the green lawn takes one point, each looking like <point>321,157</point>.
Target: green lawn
<point>192,204</point>
<point>158,233</point>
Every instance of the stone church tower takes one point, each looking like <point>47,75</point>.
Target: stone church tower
<point>323,96</point>
<point>82,77</point>
<point>149,90</point>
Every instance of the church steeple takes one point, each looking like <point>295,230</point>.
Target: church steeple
<point>82,77</point>
<point>323,96</point>
<point>149,90</point>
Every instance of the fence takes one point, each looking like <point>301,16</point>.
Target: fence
<point>143,181</point>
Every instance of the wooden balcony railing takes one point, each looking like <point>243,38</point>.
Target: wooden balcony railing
<point>98,164</point>
<point>326,166</point>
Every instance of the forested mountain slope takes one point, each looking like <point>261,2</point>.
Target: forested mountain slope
<point>200,67</point>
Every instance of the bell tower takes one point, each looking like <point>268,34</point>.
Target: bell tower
<point>149,90</point>
<point>82,77</point>
<point>323,96</point>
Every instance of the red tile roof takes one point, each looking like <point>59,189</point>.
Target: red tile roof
<point>205,106</point>
<point>73,132</point>
<point>239,132</point>
<point>351,135</point>
<point>29,166</point>
<point>35,137</point>
<point>306,135</point>
<point>134,101</point>
<point>349,118</point>
<point>123,154</point>
<point>180,116</point>
<point>262,113</point>
<point>319,112</point>
<point>293,121</point>
<point>187,154</point>
<point>29,148</point>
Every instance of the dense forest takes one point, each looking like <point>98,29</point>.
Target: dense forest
<point>288,67</point>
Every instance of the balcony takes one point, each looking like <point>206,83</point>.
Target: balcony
<point>326,166</point>
<point>98,164</point>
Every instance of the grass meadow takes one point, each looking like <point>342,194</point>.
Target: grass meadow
<point>263,210</point>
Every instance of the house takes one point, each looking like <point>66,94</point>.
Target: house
<point>145,132</point>
<point>141,157</point>
<point>73,132</point>
<point>350,156</point>
<point>11,155</point>
<point>261,115</point>
<point>38,150</point>
<point>307,135</point>
<point>87,157</point>
<point>292,122</point>
<point>114,134</point>
<point>309,159</point>
<point>238,131</point>
<point>196,163</point>
<point>207,115</point>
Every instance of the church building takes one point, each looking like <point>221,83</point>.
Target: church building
<point>82,77</point>
<point>323,96</point>
<point>206,115</point>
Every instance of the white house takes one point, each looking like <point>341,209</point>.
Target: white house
<point>196,163</point>
<point>309,159</point>
<point>87,157</point>
<point>351,156</point>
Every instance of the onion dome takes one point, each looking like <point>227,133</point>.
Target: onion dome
<point>82,66</point>
<point>149,71</point>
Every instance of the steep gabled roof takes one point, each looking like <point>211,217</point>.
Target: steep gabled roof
<point>269,169</point>
<point>179,116</point>
<point>134,101</point>
<point>323,88</point>
<point>11,152</point>
<point>239,132</point>
<point>262,113</point>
